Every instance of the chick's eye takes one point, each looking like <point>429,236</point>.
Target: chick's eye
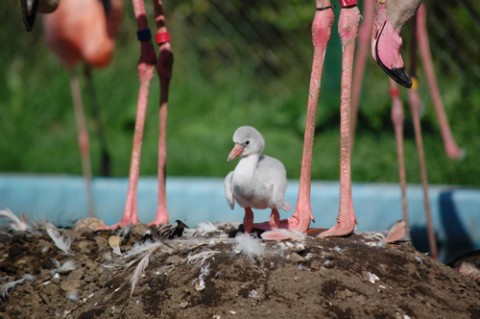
<point>247,142</point>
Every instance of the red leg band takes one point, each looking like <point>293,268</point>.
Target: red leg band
<point>162,37</point>
<point>348,3</point>
<point>394,92</point>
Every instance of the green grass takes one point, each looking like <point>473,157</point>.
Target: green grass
<point>209,100</point>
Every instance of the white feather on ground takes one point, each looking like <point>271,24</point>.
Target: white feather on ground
<point>15,223</point>
<point>199,283</point>
<point>67,266</point>
<point>139,270</point>
<point>200,258</point>
<point>205,228</point>
<point>394,235</point>
<point>249,246</point>
<point>5,289</point>
<point>141,249</point>
<point>140,253</point>
<point>62,243</point>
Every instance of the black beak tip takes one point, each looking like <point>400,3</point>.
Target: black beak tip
<point>400,76</point>
<point>29,14</point>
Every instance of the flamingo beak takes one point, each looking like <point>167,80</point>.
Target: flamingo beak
<point>396,73</point>
<point>29,11</point>
<point>236,151</point>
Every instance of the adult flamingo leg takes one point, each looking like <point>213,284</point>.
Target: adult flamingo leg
<point>364,35</point>
<point>146,68</point>
<point>348,29</point>
<point>415,110</point>
<point>321,31</point>
<point>397,116</point>
<point>105,162</point>
<point>83,140</point>
<point>451,148</point>
<point>164,69</point>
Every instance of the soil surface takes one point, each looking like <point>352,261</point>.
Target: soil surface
<point>208,273</point>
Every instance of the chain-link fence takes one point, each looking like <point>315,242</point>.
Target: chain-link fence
<point>271,35</point>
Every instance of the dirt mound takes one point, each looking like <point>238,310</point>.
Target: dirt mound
<point>206,273</point>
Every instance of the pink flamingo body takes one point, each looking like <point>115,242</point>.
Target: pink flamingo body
<point>84,32</point>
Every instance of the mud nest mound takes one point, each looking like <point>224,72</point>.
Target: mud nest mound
<point>172,272</point>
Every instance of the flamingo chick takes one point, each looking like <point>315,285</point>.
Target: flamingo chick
<point>258,181</point>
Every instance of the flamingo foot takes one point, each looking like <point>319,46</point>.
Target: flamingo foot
<point>396,233</point>
<point>283,234</point>
<point>455,153</point>
<point>293,223</point>
<point>386,45</point>
<point>344,227</point>
<point>161,219</point>
<point>124,222</point>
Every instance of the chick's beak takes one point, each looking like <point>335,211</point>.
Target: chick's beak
<point>236,151</point>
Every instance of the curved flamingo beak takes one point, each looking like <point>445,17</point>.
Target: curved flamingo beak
<point>386,46</point>
<point>236,151</point>
<point>392,39</point>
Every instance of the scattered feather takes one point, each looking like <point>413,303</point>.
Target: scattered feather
<point>395,234</point>
<point>206,228</point>
<point>253,294</point>
<point>141,249</point>
<point>5,289</point>
<point>72,295</point>
<point>17,224</point>
<point>337,249</point>
<point>140,253</point>
<point>199,283</point>
<point>139,270</point>
<point>249,246</point>
<point>372,277</point>
<point>62,243</point>
<point>67,266</point>
<point>165,270</point>
<point>379,239</point>
<point>201,257</point>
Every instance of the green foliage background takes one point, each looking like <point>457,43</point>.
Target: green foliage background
<point>236,63</point>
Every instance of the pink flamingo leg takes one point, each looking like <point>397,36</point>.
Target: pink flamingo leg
<point>321,31</point>
<point>248,220</point>
<point>275,219</point>
<point>415,110</point>
<point>451,148</point>
<point>164,69</point>
<point>83,140</point>
<point>347,28</point>
<point>364,35</point>
<point>146,67</point>
<point>398,117</point>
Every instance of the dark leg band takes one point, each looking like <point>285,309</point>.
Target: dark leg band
<point>144,35</point>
